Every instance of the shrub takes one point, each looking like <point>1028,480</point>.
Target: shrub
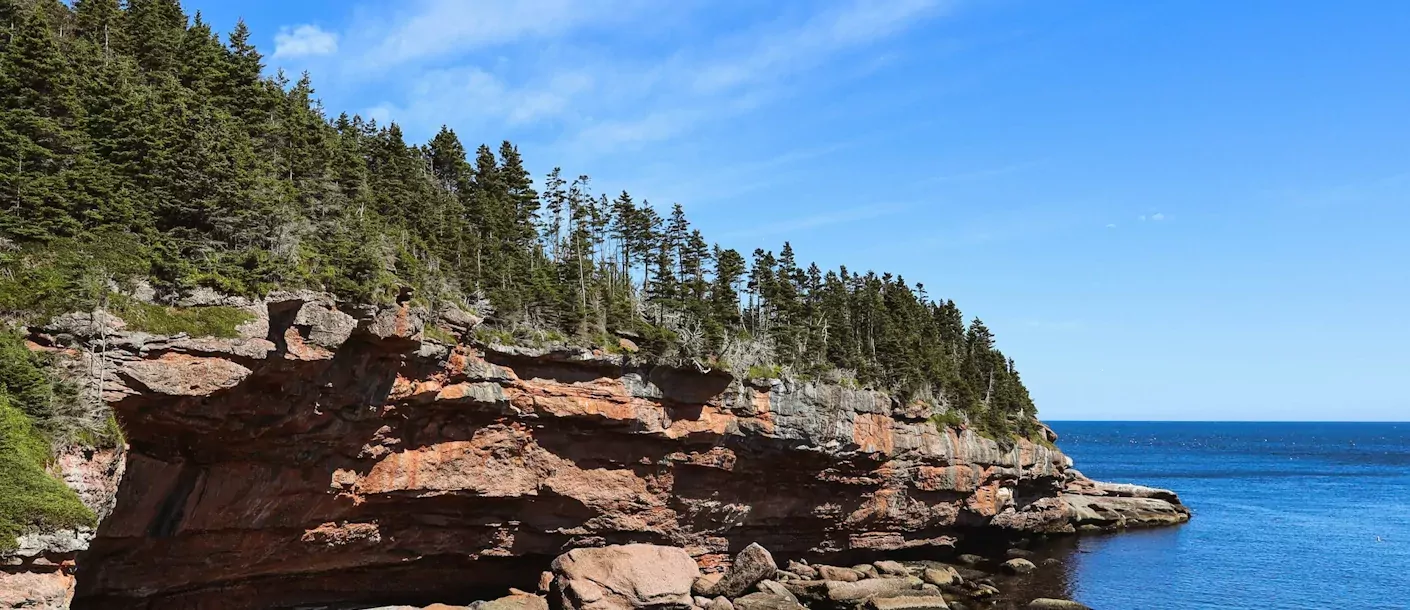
<point>440,334</point>
<point>759,371</point>
<point>948,418</point>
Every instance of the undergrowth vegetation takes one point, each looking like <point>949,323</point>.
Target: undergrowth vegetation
<point>38,413</point>
<point>208,321</point>
<point>30,497</point>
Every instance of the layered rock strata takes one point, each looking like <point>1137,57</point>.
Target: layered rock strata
<point>337,457</point>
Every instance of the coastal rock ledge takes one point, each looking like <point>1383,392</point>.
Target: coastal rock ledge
<point>337,457</point>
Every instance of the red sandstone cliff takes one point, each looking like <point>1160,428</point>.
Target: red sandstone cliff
<point>333,457</point>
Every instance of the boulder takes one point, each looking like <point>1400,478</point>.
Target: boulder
<point>941,576</point>
<point>1019,566</point>
<point>809,590</point>
<point>767,601</point>
<point>866,570</point>
<point>1045,603</point>
<point>458,318</point>
<point>970,573</point>
<point>1019,553</point>
<point>891,568</point>
<point>705,584</point>
<point>719,603</point>
<point>983,591</point>
<point>871,587</point>
<point>838,574</point>
<point>750,566</point>
<point>969,559</point>
<point>624,576</point>
<point>802,569</point>
<point>774,588</point>
<point>430,607</point>
<point>1092,513</point>
<point>909,602</point>
<point>520,601</point>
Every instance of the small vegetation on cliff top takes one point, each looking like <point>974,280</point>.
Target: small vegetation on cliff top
<point>213,321</point>
<point>136,144</point>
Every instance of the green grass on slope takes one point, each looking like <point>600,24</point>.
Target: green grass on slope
<point>195,321</point>
<point>31,498</point>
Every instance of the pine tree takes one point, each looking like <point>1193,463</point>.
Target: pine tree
<point>243,92</point>
<point>555,200</point>
<point>200,59</point>
<point>724,290</point>
<point>623,226</point>
<point>520,196</point>
<point>99,22</point>
<point>153,31</point>
<point>676,235</point>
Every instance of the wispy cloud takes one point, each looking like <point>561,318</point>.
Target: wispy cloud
<point>832,217</point>
<point>792,49</point>
<point>1388,189</point>
<point>978,174</point>
<point>304,41</point>
<point>535,63</point>
<point>430,29</point>
<point>471,95</point>
<point>1156,217</point>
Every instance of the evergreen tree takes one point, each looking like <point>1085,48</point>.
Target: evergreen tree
<point>153,33</point>
<point>99,22</point>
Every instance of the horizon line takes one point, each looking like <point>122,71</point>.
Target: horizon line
<point>1225,421</point>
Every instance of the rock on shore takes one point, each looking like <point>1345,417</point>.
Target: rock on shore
<point>640,577</point>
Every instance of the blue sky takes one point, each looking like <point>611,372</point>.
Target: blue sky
<point>1165,210</point>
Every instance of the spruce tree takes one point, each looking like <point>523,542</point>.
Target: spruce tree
<point>153,32</point>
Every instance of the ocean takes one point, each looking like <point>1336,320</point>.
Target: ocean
<point>1286,516</point>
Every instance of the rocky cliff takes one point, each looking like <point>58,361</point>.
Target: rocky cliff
<point>336,457</point>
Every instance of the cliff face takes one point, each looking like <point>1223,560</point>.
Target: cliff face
<point>332,457</point>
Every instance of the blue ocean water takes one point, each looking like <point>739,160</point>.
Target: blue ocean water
<point>1286,515</point>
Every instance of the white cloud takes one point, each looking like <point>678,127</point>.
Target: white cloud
<point>303,41</point>
<point>1111,225</point>
<point>433,28</point>
<point>526,63</point>
<point>470,96</point>
<point>1158,217</point>
<point>794,49</point>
